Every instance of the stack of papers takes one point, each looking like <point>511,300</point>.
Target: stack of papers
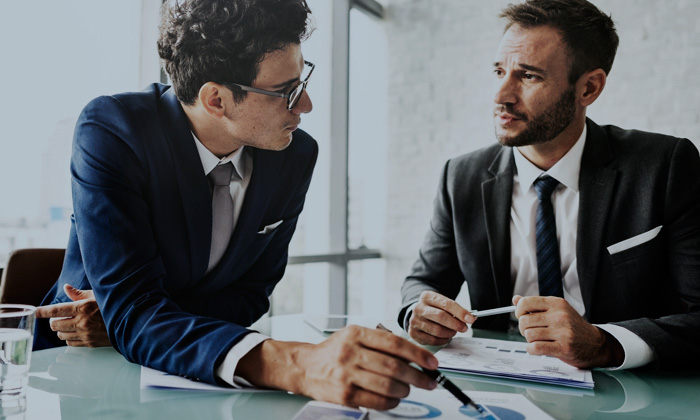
<point>509,359</point>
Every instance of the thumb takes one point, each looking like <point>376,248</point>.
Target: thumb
<point>77,294</point>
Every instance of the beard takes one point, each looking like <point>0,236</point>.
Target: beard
<point>545,126</point>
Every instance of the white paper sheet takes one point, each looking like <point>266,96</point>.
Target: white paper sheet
<point>440,404</point>
<point>509,359</point>
<point>155,379</point>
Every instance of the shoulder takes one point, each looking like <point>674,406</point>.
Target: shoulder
<point>124,111</point>
<point>644,145</point>
<point>478,162</point>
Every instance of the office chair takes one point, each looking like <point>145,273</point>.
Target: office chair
<point>29,274</point>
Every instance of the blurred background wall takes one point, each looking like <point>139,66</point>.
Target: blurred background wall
<point>440,55</point>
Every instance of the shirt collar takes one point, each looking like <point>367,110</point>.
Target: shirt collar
<point>566,170</point>
<point>210,161</point>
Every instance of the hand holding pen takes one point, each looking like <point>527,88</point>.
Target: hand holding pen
<point>436,319</point>
<point>440,378</point>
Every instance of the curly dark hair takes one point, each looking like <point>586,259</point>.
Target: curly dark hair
<point>588,33</point>
<point>225,40</point>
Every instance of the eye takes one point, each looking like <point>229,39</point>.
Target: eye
<point>530,76</point>
<point>498,72</point>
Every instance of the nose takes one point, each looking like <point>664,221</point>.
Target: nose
<point>304,106</point>
<point>506,91</point>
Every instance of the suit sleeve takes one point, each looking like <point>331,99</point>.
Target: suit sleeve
<point>112,219</point>
<point>675,338</point>
<point>436,268</point>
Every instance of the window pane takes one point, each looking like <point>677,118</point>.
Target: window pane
<point>367,294</point>
<point>303,289</point>
<point>368,132</point>
<point>54,62</point>
<point>312,232</point>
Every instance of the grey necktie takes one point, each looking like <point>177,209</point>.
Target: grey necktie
<point>222,212</point>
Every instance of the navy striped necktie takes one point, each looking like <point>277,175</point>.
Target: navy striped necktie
<point>548,263</point>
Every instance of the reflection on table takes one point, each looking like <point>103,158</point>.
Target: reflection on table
<point>78,383</point>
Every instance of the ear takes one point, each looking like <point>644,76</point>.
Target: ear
<point>211,99</point>
<point>589,86</point>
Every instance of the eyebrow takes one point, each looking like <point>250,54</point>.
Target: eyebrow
<point>285,84</point>
<point>290,81</point>
<point>525,66</point>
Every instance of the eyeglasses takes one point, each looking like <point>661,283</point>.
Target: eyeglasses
<point>292,97</point>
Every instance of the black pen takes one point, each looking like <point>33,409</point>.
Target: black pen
<point>441,379</point>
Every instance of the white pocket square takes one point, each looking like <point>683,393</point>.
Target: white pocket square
<point>269,228</point>
<point>634,241</point>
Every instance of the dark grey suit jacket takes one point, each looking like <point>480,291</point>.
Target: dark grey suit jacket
<point>630,182</point>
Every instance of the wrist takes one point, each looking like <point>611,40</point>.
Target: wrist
<point>274,364</point>
<point>612,349</point>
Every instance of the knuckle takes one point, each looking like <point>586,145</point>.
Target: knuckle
<point>391,365</point>
<point>353,331</point>
<point>347,395</point>
<point>387,403</point>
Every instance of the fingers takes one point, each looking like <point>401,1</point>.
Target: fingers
<point>396,373</point>
<point>390,344</point>
<point>66,309</point>
<point>427,339</point>
<point>365,367</point>
<point>436,319</point>
<point>85,328</point>
<point>56,310</point>
<point>530,304</point>
<point>62,324</point>
<point>448,305</point>
<point>77,294</point>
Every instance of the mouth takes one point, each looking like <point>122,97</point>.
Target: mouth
<point>507,118</point>
<point>293,126</point>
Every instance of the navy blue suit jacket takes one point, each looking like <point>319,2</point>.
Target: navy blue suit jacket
<point>141,234</point>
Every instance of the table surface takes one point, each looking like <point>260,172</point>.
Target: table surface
<point>78,383</point>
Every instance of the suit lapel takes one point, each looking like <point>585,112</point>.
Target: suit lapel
<point>193,184</point>
<point>596,185</point>
<point>497,196</point>
<point>263,183</point>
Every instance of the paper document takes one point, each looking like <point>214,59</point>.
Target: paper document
<point>509,359</point>
<point>440,404</point>
<point>151,378</point>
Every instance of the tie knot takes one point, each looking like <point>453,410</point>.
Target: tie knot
<point>544,186</point>
<point>221,174</point>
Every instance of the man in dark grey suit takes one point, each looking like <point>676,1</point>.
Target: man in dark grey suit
<point>607,256</point>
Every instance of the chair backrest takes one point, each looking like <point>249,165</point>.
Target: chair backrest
<point>29,274</point>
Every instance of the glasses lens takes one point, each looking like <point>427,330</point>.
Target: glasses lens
<point>295,95</point>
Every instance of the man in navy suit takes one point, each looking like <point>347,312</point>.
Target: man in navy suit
<point>174,292</point>
<point>619,283</point>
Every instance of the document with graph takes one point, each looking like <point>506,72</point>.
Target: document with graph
<point>509,359</point>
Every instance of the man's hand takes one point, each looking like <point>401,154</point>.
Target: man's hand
<point>436,319</point>
<point>553,328</point>
<point>78,323</point>
<point>355,367</point>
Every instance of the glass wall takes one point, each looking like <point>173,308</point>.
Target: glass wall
<point>56,57</point>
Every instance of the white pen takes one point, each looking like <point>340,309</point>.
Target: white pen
<point>494,311</point>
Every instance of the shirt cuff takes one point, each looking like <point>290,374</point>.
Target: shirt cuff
<point>407,315</point>
<point>226,369</point>
<point>637,351</point>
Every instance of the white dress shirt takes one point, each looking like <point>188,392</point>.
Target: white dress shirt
<point>240,179</point>
<point>565,201</point>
